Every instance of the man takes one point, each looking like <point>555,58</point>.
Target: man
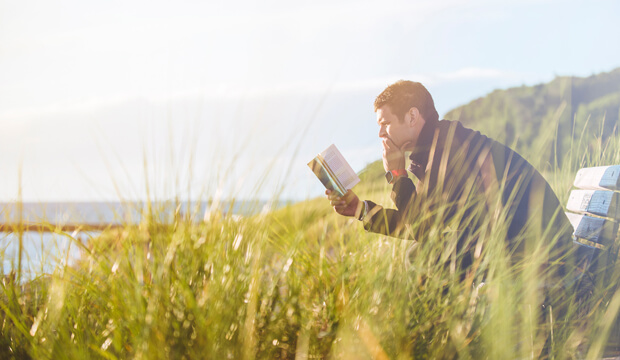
<point>466,182</point>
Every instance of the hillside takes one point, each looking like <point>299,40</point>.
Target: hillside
<point>527,117</point>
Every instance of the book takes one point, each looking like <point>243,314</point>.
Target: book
<point>334,171</point>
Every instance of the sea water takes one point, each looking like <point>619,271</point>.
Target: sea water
<point>43,252</point>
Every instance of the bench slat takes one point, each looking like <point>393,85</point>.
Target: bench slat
<point>597,230</point>
<point>597,202</point>
<point>598,178</point>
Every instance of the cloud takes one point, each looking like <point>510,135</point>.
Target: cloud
<point>237,91</point>
<point>368,84</point>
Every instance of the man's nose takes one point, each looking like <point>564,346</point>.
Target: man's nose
<point>382,132</point>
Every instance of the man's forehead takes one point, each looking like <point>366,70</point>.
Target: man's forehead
<point>384,112</point>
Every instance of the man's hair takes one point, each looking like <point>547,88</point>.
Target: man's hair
<point>403,95</point>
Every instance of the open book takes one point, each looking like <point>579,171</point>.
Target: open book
<point>334,171</point>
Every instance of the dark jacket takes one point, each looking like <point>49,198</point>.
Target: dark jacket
<point>467,181</point>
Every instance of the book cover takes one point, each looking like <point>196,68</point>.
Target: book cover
<point>334,172</point>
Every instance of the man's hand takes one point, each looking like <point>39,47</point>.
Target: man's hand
<point>393,156</point>
<point>347,205</point>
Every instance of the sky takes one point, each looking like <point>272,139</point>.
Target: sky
<point>123,100</point>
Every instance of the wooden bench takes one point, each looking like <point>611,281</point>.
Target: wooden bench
<point>594,211</point>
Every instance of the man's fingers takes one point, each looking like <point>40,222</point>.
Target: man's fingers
<point>390,148</point>
<point>349,195</point>
<point>389,144</point>
<point>340,208</point>
<point>331,194</point>
<point>341,204</point>
<point>337,202</point>
<point>386,146</point>
<point>334,196</point>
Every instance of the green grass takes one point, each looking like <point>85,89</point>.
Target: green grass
<point>301,282</point>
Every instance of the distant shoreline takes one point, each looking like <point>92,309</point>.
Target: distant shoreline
<point>116,212</point>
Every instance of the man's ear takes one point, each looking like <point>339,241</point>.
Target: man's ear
<point>414,116</point>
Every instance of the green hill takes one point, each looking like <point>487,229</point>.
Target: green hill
<point>527,117</point>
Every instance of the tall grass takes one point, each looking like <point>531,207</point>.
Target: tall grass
<point>302,282</point>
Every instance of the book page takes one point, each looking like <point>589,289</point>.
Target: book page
<point>340,167</point>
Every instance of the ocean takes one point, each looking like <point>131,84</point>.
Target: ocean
<point>45,251</point>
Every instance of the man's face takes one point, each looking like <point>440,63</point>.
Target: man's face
<point>400,131</point>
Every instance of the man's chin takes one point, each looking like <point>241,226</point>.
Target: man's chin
<point>408,146</point>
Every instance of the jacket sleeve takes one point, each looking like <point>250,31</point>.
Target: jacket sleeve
<point>392,222</point>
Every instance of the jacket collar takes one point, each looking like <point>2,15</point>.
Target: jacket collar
<point>420,152</point>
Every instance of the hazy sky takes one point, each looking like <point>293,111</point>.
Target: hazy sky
<point>99,98</point>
